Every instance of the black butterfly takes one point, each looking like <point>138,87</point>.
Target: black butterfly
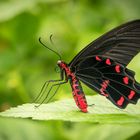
<point>101,65</point>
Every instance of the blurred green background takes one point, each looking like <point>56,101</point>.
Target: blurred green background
<point>25,65</point>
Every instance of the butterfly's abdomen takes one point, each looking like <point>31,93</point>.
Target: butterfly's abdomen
<point>77,91</point>
<point>78,94</point>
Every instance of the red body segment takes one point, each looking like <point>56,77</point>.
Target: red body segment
<point>77,91</point>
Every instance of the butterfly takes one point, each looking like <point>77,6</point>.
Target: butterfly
<point>102,66</point>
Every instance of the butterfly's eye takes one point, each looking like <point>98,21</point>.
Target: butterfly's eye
<point>57,69</point>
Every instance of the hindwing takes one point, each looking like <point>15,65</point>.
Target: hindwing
<point>109,79</point>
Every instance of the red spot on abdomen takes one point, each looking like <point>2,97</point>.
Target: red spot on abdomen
<point>77,91</point>
<point>131,95</point>
<point>98,58</point>
<point>125,80</point>
<point>120,101</point>
<point>84,110</point>
<point>117,68</point>
<point>108,62</point>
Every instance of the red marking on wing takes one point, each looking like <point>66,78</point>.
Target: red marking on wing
<point>117,68</point>
<point>125,80</point>
<point>131,95</point>
<point>103,87</point>
<point>98,58</point>
<point>120,101</point>
<point>108,62</point>
<point>103,93</point>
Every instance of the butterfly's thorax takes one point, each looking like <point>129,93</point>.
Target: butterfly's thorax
<point>77,90</point>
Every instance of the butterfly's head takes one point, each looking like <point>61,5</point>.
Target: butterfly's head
<point>61,64</point>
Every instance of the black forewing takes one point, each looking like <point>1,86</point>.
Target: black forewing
<point>120,44</point>
<point>94,73</point>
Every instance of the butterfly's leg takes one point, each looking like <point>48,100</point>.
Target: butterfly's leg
<point>58,84</point>
<point>46,84</point>
<point>90,105</point>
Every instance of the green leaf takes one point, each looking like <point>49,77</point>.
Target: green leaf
<point>19,129</point>
<point>102,111</point>
<point>105,132</point>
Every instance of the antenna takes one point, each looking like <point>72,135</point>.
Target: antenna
<point>50,48</point>
<point>51,40</point>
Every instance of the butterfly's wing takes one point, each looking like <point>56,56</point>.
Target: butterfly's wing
<point>120,44</point>
<point>102,64</point>
<point>110,79</point>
